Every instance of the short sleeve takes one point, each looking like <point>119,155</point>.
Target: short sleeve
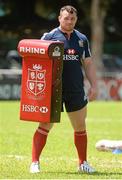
<point>86,52</point>
<point>45,36</point>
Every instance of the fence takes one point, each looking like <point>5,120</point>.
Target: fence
<point>10,84</point>
<point>109,85</point>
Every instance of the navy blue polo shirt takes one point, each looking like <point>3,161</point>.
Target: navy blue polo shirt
<point>76,49</point>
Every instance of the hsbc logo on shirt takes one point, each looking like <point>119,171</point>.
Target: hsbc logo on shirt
<point>67,57</point>
<point>71,56</point>
<point>71,51</point>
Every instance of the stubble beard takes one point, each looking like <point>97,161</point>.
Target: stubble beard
<point>66,29</point>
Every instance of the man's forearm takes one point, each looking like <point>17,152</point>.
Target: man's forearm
<point>90,72</point>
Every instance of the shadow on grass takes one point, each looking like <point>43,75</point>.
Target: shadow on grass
<point>95,173</point>
<point>92,174</point>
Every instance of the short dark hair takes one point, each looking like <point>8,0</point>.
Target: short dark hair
<point>69,9</point>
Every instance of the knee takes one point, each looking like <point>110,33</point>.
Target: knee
<point>80,126</point>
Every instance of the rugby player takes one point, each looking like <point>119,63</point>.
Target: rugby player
<point>76,60</point>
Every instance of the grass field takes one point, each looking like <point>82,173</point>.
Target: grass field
<point>59,160</point>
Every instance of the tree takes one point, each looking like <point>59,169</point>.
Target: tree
<point>98,13</point>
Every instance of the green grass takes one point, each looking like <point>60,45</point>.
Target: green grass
<point>59,159</point>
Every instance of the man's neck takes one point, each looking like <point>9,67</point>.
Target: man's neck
<point>66,32</point>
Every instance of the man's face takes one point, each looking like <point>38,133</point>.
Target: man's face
<point>67,20</point>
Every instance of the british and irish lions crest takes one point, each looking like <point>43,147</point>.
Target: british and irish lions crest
<point>36,80</point>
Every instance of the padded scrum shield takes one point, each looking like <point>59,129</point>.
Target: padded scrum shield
<point>57,67</point>
<point>41,90</point>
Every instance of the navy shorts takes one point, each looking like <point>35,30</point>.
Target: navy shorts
<point>73,101</point>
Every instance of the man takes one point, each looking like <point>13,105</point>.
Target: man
<point>76,55</point>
